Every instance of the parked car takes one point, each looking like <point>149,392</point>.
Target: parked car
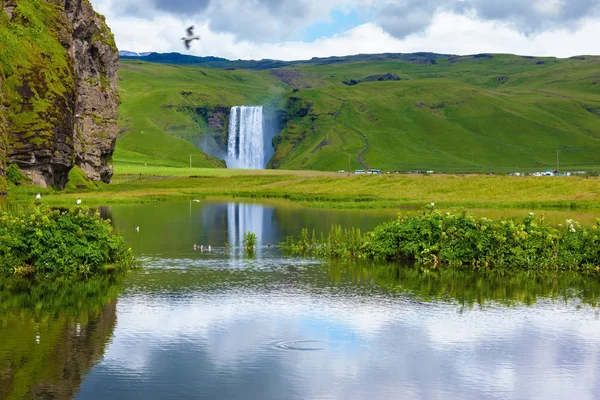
<point>359,171</point>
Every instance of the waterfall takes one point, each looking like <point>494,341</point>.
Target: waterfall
<point>245,144</point>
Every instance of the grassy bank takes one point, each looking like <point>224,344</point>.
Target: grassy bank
<point>332,190</point>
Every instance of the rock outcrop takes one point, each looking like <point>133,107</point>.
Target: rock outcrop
<point>58,79</point>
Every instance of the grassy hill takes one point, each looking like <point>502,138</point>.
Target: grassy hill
<point>159,120</point>
<point>478,113</point>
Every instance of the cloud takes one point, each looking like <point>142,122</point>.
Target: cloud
<point>457,27</point>
<point>272,21</point>
<point>251,20</point>
<point>181,7</point>
<point>401,18</point>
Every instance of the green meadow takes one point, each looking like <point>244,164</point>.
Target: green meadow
<point>330,190</point>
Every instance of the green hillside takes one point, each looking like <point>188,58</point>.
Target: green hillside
<point>453,114</point>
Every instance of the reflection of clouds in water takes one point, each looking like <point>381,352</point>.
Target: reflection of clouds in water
<point>373,348</point>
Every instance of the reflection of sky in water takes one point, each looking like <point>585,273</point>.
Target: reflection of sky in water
<point>222,345</point>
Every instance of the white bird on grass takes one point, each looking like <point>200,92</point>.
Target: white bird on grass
<point>38,197</point>
<point>190,37</point>
<point>432,204</point>
<point>137,228</point>
<point>78,202</point>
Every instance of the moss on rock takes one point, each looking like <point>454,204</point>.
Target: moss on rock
<point>50,53</point>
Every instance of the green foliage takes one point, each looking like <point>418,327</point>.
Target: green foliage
<point>14,174</point>
<point>457,240</point>
<point>250,242</point>
<point>50,243</point>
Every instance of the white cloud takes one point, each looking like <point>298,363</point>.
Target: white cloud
<point>448,32</point>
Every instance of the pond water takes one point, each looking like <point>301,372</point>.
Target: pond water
<point>218,324</point>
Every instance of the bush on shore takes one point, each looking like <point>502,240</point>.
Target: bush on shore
<point>455,240</point>
<point>44,242</point>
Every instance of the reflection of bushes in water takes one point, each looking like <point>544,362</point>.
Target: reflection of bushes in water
<point>456,240</point>
<point>51,333</point>
<point>468,287</point>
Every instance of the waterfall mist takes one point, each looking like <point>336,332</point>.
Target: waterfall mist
<point>247,145</point>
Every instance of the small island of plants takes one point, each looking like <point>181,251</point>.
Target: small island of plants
<point>43,242</point>
<point>461,240</point>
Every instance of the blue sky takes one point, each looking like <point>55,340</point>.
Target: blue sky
<point>340,22</point>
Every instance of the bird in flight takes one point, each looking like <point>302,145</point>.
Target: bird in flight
<point>190,36</point>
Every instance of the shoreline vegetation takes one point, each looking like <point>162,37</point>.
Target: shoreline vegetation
<point>441,240</point>
<point>47,243</point>
<point>327,189</point>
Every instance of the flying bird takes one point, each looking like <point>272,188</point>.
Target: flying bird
<point>190,36</point>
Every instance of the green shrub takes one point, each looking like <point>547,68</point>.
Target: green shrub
<point>14,174</point>
<point>51,243</point>
<point>462,239</point>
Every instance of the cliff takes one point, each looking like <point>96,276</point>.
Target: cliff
<point>58,90</point>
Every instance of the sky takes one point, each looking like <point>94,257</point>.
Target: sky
<point>302,29</point>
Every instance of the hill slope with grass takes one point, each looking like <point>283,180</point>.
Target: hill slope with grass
<point>482,113</point>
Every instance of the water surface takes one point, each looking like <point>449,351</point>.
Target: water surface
<point>218,324</point>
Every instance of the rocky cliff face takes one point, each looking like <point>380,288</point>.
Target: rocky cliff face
<point>58,79</point>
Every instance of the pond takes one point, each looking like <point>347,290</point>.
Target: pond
<point>194,324</point>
